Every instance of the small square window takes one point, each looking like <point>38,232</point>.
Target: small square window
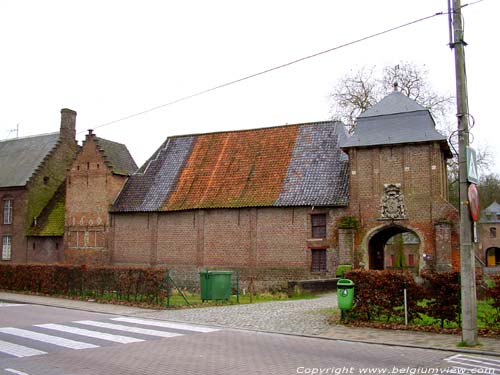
<point>6,247</point>
<point>493,232</point>
<point>318,225</point>
<point>318,260</point>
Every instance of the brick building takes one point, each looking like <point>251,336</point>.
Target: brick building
<point>32,180</point>
<point>489,236</point>
<point>292,202</point>
<point>93,182</point>
<point>398,184</point>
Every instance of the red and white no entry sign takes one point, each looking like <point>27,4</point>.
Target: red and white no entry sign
<point>473,202</point>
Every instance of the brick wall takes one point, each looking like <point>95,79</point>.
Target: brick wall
<point>488,238</point>
<point>44,249</point>
<point>17,229</point>
<point>268,246</point>
<point>30,200</point>
<point>420,170</point>
<point>91,187</point>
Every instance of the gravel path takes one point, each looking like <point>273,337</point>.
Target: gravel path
<point>307,316</point>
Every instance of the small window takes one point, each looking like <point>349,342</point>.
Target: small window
<point>318,225</point>
<point>318,260</point>
<point>493,232</point>
<point>97,165</point>
<point>46,180</point>
<point>7,211</point>
<point>6,248</point>
<point>77,167</point>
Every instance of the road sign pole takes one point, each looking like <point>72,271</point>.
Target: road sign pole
<point>467,259</point>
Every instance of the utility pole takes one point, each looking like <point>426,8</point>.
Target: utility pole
<point>467,258</point>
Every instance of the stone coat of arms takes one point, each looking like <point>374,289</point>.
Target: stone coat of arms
<point>391,204</point>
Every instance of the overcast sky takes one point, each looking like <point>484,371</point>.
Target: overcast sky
<point>110,59</point>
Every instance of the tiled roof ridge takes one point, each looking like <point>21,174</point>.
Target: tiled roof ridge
<point>392,114</point>
<point>255,129</point>
<point>27,137</point>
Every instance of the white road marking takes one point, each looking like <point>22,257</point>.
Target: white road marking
<point>6,304</point>
<point>88,333</point>
<point>47,338</point>
<point>119,327</point>
<point>16,371</point>
<point>18,350</point>
<point>154,323</point>
<point>487,365</point>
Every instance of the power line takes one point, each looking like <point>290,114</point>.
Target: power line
<point>184,98</point>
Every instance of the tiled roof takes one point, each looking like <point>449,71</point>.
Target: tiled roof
<point>395,102</point>
<point>117,156</point>
<point>20,157</point>
<point>396,119</point>
<point>293,165</point>
<point>491,214</point>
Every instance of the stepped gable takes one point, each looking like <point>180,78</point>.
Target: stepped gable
<point>291,165</point>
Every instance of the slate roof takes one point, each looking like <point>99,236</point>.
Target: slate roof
<point>20,157</point>
<point>117,156</point>
<point>291,165</point>
<point>491,214</point>
<point>395,119</point>
<point>395,102</point>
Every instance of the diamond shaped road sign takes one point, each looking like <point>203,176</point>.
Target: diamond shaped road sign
<point>472,174</point>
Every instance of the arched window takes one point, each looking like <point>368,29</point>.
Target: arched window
<point>493,232</point>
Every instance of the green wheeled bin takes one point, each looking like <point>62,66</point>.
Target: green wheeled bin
<point>345,294</point>
<point>215,285</point>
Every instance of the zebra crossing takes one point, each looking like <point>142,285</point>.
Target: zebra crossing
<point>472,364</point>
<point>40,339</point>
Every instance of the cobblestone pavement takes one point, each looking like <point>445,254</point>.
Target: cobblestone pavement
<point>307,316</point>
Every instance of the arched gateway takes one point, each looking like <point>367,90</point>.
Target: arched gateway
<point>393,246</point>
<point>398,185</point>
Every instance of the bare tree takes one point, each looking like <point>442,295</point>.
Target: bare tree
<point>357,91</point>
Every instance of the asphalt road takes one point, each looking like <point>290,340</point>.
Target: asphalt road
<point>41,340</point>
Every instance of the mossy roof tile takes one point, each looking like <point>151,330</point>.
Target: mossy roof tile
<point>290,165</point>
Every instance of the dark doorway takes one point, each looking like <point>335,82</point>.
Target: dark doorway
<point>493,257</point>
<point>377,248</point>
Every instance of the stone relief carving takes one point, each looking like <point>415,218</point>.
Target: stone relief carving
<point>392,203</point>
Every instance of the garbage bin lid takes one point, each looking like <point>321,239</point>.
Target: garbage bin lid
<point>345,282</point>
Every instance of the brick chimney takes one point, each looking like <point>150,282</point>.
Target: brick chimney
<point>68,124</point>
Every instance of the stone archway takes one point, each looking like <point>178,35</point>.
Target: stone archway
<point>493,257</point>
<point>377,242</point>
